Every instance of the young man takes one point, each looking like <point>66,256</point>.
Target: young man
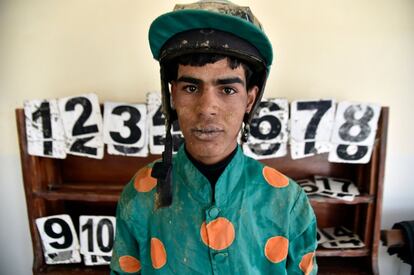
<point>211,209</point>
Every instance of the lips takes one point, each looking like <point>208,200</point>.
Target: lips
<point>207,132</point>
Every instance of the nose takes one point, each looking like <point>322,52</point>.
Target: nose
<point>208,103</point>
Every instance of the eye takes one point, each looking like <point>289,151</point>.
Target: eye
<point>190,89</point>
<point>229,90</point>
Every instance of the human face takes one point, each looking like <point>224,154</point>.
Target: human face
<point>211,101</point>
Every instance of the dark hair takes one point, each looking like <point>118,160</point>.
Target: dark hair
<point>201,59</point>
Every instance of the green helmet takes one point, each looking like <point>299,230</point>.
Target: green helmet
<point>207,26</point>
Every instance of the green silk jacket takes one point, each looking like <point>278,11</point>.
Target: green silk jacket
<point>260,222</point>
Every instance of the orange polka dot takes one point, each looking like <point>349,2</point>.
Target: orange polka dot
<point>218,234</point>
<point>306,264</point>
<point>158,253</point>
<point>274,177</point>
<point>143,181</point>
<point>276,249</point>
<point>129,264</point>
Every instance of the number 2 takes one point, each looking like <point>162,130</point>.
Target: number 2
<point>79,128</point>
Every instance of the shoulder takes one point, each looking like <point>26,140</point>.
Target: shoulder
<point>138,195</point>
<point>274,183</point>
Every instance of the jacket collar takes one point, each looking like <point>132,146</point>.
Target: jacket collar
<point>186,173</point>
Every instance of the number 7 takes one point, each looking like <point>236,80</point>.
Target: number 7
<point>321,106</point>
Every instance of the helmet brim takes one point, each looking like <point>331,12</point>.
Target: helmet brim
<point>167,25</point>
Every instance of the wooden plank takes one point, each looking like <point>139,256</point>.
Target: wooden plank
<point>76,195</point>
<point>357,252</point>
<point>357,200</point>
<point>383,135</point>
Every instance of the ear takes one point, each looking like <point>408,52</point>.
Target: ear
<point>251,98</point>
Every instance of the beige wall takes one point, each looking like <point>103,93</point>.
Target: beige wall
<point>341,49</point>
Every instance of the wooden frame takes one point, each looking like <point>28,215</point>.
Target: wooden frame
<point>78,185</point>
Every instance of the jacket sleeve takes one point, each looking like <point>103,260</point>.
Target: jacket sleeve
<point>125,253</point>
<point>302,238</point>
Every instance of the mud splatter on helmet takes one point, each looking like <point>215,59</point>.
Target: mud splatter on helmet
<point>216,27</point>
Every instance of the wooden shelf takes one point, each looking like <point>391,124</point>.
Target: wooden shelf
<point>83,186</point>
<point>89,192</point>
<point>343,266</point>
<point>356,252</point>
<point>71,195</point>
<point>71,269</point>
<point>357,200</point>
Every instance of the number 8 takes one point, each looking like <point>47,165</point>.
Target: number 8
<point>345,131</point>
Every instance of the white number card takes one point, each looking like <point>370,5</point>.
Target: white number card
<point>157,126</point>
<point>156,123</point>
<point>340,237</point>
<point>74,125</point>
<point>268,130</point>
<point>308,186</point>
<point>128,151</point>
<point>125,124</point>
<point>90,259</point>
<point>44,129</point>
<point>311,127</point>
<point>82,121</point>
<point>354,132</point>
<point>320,237</point>
<point>97,235</point>
<point>125,129</point>
<point>59,240</point>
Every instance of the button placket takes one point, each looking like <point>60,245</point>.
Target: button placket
<point>219,261</point>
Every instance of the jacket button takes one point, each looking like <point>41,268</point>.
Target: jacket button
<point>213,212</point>
<point>221,256</point>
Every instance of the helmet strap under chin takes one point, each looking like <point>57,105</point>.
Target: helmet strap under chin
<point>162,171</point>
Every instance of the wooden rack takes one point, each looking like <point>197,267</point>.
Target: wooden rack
<point>84,186</point>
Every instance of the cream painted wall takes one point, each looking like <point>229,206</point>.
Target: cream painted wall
<point>346,50</point>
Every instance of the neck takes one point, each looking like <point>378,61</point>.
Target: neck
<point>212,171</point>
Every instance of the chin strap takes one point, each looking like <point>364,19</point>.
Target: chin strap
<point>162,171</point>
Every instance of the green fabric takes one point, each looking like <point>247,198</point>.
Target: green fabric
<point>169,24</point>
<point>256,209</point>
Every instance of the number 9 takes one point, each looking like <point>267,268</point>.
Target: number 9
<point>64,232</point>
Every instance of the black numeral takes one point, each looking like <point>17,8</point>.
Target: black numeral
<point>88,226</point>
<point>321,107</point>
<point>308,187</point>
<point>342,152</point>
<point>80,147</point>
<point>131,123</point>
<point>343,232</point>
<point>103,223</point>
<point>158,118</point>
<point>351,121</point>
<point>127,150</point>
<point>65,232</point>
<point>257,149</point>
<point>79,128</point>
<point>272,121</point>
<point>110,229</point>
<point>43,112</point>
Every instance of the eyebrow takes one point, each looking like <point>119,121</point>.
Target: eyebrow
<point>189,79</point>
<point>229,80</point>
<point>222,81</point>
